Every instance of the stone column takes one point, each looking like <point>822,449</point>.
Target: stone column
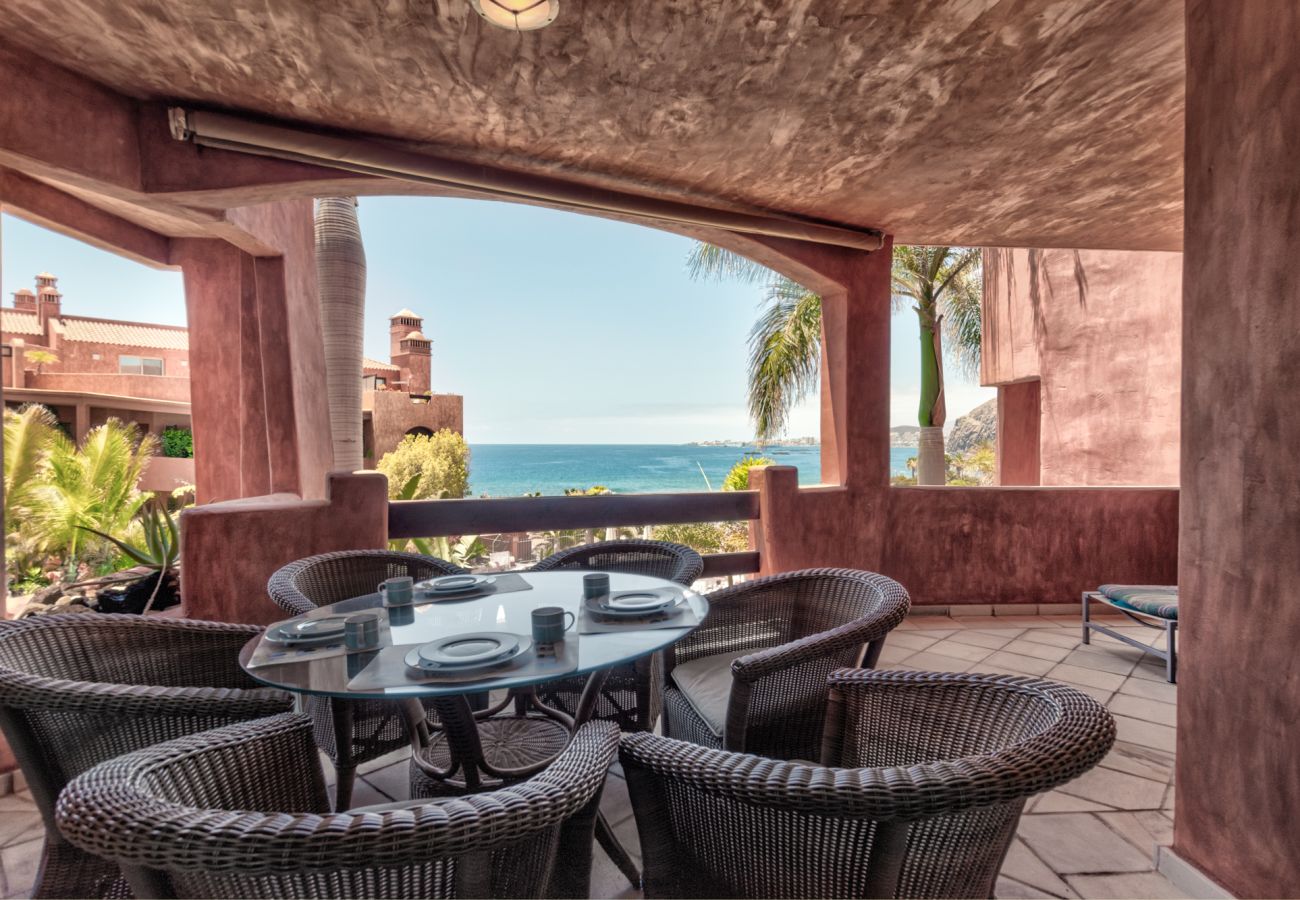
<point>1238,770</point>
<point>1019,421</point>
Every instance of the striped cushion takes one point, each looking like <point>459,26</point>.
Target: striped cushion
<point>1152,599</point>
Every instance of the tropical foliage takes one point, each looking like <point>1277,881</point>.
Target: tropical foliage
<point>738,478</point>
<point>440,463</point>
<point>942,285</point>
<point>976,466</point>
<point>41,357</point>
<point>177,442</point>
<point>67,504</point>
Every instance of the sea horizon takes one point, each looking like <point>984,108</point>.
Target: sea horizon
<point>512,470</point>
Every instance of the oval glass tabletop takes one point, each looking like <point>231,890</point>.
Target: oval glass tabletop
<point>500,612</point>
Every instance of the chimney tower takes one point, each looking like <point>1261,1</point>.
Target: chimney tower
<point>410,350</point>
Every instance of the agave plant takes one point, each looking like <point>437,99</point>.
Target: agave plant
<point>161,550</point>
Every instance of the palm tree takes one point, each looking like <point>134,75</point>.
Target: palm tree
<point>94,487</point>
<point>941,283</point>
<point>341,276</point>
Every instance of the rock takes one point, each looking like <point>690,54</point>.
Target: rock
<point>979,426</point>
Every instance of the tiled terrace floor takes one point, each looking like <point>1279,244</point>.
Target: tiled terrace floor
<point>1094,837</point>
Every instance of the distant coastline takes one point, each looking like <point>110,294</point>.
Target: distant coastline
<point>759,445</point>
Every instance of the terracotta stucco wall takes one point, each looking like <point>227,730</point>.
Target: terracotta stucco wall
<point>149,387</point>
<point>1238,769</point>
<point>1100,330</point>
<point>393,415</point>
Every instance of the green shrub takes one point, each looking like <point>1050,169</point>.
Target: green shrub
<point>177,442</point>
<point>441,463</point>
<point>738,478</point>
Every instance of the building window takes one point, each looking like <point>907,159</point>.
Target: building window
<point>139,365</point>
<point>374,383</point>
<point>8,351</point>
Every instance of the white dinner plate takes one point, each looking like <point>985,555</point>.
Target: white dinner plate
<point>637,603</point>
<point>455,584</point>
<point>324,630</point>
<point>469,651</point>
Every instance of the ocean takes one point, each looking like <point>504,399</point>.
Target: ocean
<point>510,470</point>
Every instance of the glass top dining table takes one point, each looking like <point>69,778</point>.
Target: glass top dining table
<point>498,612</point>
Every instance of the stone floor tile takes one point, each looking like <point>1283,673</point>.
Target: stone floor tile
<point>1169,800</point>
<point>1054,636</point>
<point>1144,829</point>
<point>1115,789</point>
<point>1048,652</point>
<point>933,624</point>
<point>1025,665</point>
<point>950,647</point>
<point>1120,661</point>
<point>1009,633</point>
<point>1027,621</point>
<point>393,781</point>
<point>1011,889</point>
<point>935,662</point>
<point>20,823</point>
<point>607,882</point>
<point>1151,669</point>
<point>1023,866</point>
<point>1147,734</point>
<point>1144,709</point>
<point>20,802</point>
<point>616,804</point>
<point>912,640</point>
<point>985,639</point>
<point>1057,802</point>
<point>891,655</point>
<point>1072,843</point>
<point>966,610</point>
<point>366,794</point>
<point>399,755</point>
<point>981,622</point>
<point>20,862</point>
<point>1080,675</point>
<point>1157,765</point>
<point>1151,690</point>
<point>1151,885</point>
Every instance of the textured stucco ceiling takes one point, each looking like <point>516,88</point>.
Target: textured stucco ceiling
<point>994,122</point>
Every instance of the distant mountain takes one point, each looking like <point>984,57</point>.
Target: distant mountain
<point>979,426</point>
<point>904,435</point>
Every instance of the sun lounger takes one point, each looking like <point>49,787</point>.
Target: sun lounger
<point>1153,606</point>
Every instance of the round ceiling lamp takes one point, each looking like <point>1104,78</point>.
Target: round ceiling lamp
<point>518,15</point>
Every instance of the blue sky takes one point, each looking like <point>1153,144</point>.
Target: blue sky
<point>556,327</point>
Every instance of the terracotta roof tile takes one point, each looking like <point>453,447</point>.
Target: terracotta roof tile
<point>15,322</point>
<point>368,363</point>
<point>127,334</point>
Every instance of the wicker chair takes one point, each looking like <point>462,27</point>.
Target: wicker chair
<point>242,811</point>
<point>752,678</point>
<point>932,772</point>
<point>630,696</point>
<point>78,689</point>
<point>352,731</point>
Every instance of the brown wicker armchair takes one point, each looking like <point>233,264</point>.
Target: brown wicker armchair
<point>352,731</point>
<point>78,689</point>
<point>932,772</point>
<point>630,696</point>
<point>242,812</point>
<point>752,678</point>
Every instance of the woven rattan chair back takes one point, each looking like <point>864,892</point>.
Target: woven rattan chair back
<point>242,812</point>
<point>797,628</point>
<point>630,697</point>
<point>928,779</point>
<point>351,732</point>
<point>78,689</point>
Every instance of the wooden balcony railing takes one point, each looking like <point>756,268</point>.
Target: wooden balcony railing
<point>440,518</point>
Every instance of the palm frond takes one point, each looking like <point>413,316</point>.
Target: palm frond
<point>27,437</point>
<point>963,320</point>
<point>785,355</point>
<point>709,261</point>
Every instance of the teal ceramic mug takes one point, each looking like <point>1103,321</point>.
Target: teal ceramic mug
<point>549,624</point>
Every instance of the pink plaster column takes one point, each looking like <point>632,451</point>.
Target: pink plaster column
<point>1238,770</point>
<point>1019,423</point>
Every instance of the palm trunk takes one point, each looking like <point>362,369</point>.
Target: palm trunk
<point>341,276</point>
<point>931,466</point>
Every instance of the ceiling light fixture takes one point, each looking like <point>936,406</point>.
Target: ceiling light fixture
<point>518,15</point>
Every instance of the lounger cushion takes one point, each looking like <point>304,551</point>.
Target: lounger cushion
<point>706,685</point>
<point>1152,599</point>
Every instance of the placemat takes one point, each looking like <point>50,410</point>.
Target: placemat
<point>679,616</point>
<point>271,654</point>
<point>389,669</point>
<point>504,583</point>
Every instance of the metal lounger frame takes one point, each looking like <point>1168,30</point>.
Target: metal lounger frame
<point>1170,626</point>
